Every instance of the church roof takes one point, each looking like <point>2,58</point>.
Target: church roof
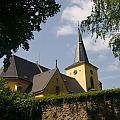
<point>41,80</point>
<point>38,75</point>
<point>72,85</point>
<point>22,69</point>
<point>80,52</point>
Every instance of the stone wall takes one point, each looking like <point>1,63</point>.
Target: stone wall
<point>76,111</point>
<point>104,107</point>
<point>93,105</point>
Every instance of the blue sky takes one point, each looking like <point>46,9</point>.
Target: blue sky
<point>57,40</point>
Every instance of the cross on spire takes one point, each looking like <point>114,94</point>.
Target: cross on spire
<point>56,64</point>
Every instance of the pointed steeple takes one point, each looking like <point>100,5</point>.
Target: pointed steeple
<point>80,52</point>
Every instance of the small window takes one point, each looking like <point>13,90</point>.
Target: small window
<point>91,71</point>
<point>75,72</point>
<point>91,82</point>
<point>57,90</point>
<point>19,88</point>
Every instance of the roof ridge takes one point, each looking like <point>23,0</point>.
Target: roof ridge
<point>29,61</point>
<point>39,67</point>
<point>15,66</point>
<point>24,59</point>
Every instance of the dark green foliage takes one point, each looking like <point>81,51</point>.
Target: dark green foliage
<point>104,21</point>
<point>22,106</point>
<point>18,106</point>
<point>91,95</point>
<point>2,84</point>
<point>18,20</point>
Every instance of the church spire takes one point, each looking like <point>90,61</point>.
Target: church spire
<point>80,52</point>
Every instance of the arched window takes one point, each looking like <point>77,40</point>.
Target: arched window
<point>57,90</point>
<point>57,79</point>
<point>91,82</point>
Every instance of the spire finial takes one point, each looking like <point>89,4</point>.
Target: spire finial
<point>78,25</point>
<point>56,64</point>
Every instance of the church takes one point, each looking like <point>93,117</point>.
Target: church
<point>25,76</point>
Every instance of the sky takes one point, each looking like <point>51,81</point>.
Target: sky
<point>58,38</point>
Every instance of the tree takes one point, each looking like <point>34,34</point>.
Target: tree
<point>105,20</point>
<point>18,20</point>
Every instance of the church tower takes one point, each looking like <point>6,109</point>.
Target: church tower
<point>84,72</point>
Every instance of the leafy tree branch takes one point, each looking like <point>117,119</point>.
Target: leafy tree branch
<point>18,20</point>
<point>104,20</point>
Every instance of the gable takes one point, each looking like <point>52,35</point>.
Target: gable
<point>41,80</point>
<point>56,81</point>
<point>11,71</point>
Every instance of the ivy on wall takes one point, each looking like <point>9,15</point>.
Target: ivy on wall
<point>22,106</point>
<point>99,104</point>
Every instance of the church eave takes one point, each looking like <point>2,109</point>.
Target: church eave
<point>73,65</point>
<point>79,63</point>
<point>17,78</point>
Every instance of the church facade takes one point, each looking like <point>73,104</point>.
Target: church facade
<point>25,76</point>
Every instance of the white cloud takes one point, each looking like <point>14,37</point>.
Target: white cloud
<point>114,66</point>
<point>75,13</point>
<point>77,10</point>
<point>79,2</point>
<point>97,46</point>
<point>74,1</point>
<point>65,30</point>
<point>111,77</point>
